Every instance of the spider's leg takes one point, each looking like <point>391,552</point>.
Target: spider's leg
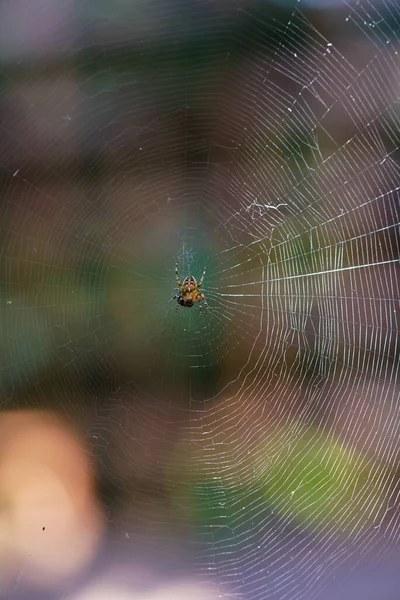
<point>203,300</point>
<point>202,278</point>
<point>177,275</point>
<point>173,298</point>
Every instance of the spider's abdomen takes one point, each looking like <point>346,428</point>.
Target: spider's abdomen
<point>189,282</point>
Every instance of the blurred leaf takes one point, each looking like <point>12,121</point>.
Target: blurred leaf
<point>313,480</point>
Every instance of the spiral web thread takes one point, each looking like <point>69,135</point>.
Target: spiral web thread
<point>273,162</point>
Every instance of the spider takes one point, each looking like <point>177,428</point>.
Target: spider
<point>188,291</point>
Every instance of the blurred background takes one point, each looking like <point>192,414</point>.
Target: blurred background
<point>249,449</point>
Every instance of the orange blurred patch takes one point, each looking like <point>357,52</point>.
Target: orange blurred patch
<point>50,520</point>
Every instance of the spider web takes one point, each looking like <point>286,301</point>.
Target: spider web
<point>260,142</point>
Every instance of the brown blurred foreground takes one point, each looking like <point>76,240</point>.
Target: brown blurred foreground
<point>50,520</point>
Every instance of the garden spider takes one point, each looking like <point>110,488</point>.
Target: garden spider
<point>188,291</point>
